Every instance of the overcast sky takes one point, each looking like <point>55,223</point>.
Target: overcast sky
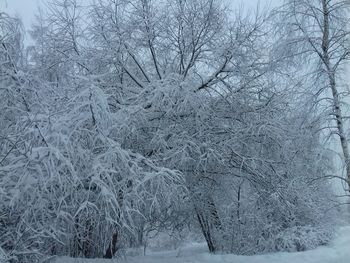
<point>26,8</point>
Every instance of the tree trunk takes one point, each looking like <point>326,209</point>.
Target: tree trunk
<point>209,221</point>
<point>204,224</point>
<point>112,248</point>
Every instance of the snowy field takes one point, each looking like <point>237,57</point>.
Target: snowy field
<point>337,252</point>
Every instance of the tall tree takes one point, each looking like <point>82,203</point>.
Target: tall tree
<point>318,32</point>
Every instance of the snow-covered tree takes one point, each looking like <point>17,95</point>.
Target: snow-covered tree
<point>133,117</point>
<point>203,113</point>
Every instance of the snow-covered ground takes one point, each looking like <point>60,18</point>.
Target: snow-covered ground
<point>337,252</point>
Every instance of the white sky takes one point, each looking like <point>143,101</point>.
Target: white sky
<point>27,8</point>
<point>24,8</point>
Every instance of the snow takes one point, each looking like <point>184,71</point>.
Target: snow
<point>337,252</point>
